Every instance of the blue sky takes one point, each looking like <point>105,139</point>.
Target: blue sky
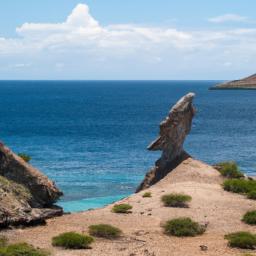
<point>95,39</point>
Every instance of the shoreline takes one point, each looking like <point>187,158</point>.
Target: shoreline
<point>229,88</point>
<point>142,235</point>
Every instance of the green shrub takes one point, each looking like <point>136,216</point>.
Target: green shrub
<point>72,240</point>
<point>147,194</point>
<point>121,208</point>
<point>250,218</point>
<point>243,240</point>
<point>25,157</point>
<point>176,200</point>
<point>105,231</point>
<point>183,227</point>
<point>22,249</point>
<point>3,241</point>
<point>252,194</point>
<point>240,186</point>
<point>230,170</point>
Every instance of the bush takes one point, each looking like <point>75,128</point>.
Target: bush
<point>25,157</point>
<point>72,240</point>
<point>105,231</point>
<point>243,240</point>
<point>183,227</point>
<point>230,170</point>
<point>250,218</point>
<point>252,194</point>
<point>147,194</point>
<point>22,249</point>
<point>3,241</point>
<point>176,200</point>
<point>240,186</point>
<point>121,208</point>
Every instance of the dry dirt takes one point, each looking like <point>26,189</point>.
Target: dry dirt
<point>142,233</point>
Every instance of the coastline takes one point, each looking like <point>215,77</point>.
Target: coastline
<point>231,88</point>
<point>221,211</point>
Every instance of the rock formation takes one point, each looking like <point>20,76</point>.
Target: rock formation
<point>246,83</point>
<point>173,131</point>
<point>26,195</point>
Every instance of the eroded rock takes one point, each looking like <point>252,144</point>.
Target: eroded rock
<point>173,131</point>
<point>26,195</point>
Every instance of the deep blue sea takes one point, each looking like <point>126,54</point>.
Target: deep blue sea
<point>91,136</point>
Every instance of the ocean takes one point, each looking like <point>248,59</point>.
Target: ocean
<point>90,137</point>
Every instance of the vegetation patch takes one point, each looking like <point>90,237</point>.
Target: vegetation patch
<point>243,240</point>
<point>230,170</point>
<point>121,208</point>
<point>176,200</point>
<point>16,189</point>
<point>25,157</point>
<point>105,231</point>
<point>147,194</point>
<point>250,218</point>
<point>22,249</point>
<point>183,227</point>
<point>72,240</point>
<point>3,241</point>
<point>240,186</point>
<point>252,194</point>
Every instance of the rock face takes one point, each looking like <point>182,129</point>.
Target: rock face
<point>26,195</point>
<point>173,131</point>
<point>246,83</point>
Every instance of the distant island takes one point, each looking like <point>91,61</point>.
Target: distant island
<point>248,83</point>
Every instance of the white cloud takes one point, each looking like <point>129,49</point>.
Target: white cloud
<point>228,18</point>
<point>20,65</point>
<point>81,45</point>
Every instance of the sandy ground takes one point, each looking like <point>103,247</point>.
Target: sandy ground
<point>142,233</point>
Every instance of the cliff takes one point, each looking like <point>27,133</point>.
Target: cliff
<point>26,195</point>
<point>246,83</point>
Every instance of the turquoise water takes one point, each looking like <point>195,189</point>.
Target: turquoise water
<point>89,203</point>
<point>91,137</point>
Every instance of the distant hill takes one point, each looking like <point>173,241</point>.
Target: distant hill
<point>246,83</point>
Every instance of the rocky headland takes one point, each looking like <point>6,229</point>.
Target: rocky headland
<point>27,196</point>
<point>218,212</point>
<point>248,83</point>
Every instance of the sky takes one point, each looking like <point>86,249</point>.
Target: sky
<point>127,40</point>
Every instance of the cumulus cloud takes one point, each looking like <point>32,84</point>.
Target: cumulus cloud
<point>82,45</point>
<point>81,29</point>
<point>228,18</point>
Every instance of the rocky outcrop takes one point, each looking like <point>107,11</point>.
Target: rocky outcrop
<point>27,196</point>
<point>246,83</point>
<point>173,131</point>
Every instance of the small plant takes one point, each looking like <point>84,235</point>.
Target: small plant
<point>105,231</point>
<point>147,194</point>
<point>72,240</point>
<point>240,186</point>
<point>252,194</point>
<point>25,157</point>
<point>250,218</point>
<point>230,170</point>
<point>183,227</point>
<point>22,249</point>
<point>3,241</point>
<point>176,200</point>
<point>121,208</point>
<point>243,240</point>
